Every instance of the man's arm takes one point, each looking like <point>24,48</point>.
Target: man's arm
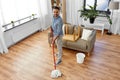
<point>56,35</point>
<point>53,39</point>
<point>51,34</point>
<point>59,28</point>
<point>51,30</point>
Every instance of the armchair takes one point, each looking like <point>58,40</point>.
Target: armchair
<point>80,44</point>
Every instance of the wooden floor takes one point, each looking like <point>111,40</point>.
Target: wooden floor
<point>31,59</point>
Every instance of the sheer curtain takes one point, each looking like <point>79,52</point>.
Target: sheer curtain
<point>45,13</point>
<point>12,10</point>
<point>115,28</point>
<point>3,47</point>
<point>72,7</point>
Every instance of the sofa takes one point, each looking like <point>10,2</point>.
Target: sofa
<point>80,44</point>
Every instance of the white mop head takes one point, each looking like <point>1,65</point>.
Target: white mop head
<point>56,74</point>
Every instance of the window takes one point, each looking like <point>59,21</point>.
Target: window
<point>13,10</point>
<point>102,5</point>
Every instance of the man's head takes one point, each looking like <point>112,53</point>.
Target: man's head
<point>56,11</point>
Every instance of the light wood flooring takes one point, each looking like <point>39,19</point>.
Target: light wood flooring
<point>31,59</point>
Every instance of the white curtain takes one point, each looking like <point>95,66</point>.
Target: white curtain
<point>115,27</point>
<point>45,13</point>
<point>72,14</point>
<point>3,47</point>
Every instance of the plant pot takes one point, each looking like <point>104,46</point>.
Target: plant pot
<point>92,20</point>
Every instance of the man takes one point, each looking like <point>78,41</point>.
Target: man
<point>57,33</point>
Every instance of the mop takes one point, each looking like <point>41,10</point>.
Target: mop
<point>55,73</point>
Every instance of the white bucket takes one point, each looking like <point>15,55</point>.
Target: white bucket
<point>80,57</point>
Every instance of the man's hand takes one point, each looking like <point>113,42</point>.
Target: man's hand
<point>53,40</point>
<point>51,34</point>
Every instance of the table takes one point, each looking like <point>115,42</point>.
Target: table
<point>97,26</point>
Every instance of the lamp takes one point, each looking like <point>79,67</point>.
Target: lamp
<point>112,6</point>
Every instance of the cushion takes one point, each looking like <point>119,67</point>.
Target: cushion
<point>70,37</point>
<point>79,44</point>
<point>86,33</point>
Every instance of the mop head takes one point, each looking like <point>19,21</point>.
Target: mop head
<point>56,74</point>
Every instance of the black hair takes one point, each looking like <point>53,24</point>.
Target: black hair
<point>55,7</point>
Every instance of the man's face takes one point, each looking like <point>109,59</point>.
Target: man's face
<point>55,12</point>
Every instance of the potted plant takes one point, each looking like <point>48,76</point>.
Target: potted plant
<point>12,22</point>
<point>55,2</point>
<point>90,14</point>
<point>32,16</point>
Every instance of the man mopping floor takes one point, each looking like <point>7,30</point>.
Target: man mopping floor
<point>57,34</point>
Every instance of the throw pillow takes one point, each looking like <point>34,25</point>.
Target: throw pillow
<point>86,33</point>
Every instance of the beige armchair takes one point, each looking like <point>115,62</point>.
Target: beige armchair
<point>80,44</point>
<point>75,32</point>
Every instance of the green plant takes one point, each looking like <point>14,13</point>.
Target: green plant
<point>12,21</point>
<point>55,1</point>
<point>108,17</point>
<point>91,13</point>
<point>33,14</point>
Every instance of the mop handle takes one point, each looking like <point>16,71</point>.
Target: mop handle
<point>53,57</point>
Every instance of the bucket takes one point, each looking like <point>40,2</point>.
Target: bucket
<point>80,57</point>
